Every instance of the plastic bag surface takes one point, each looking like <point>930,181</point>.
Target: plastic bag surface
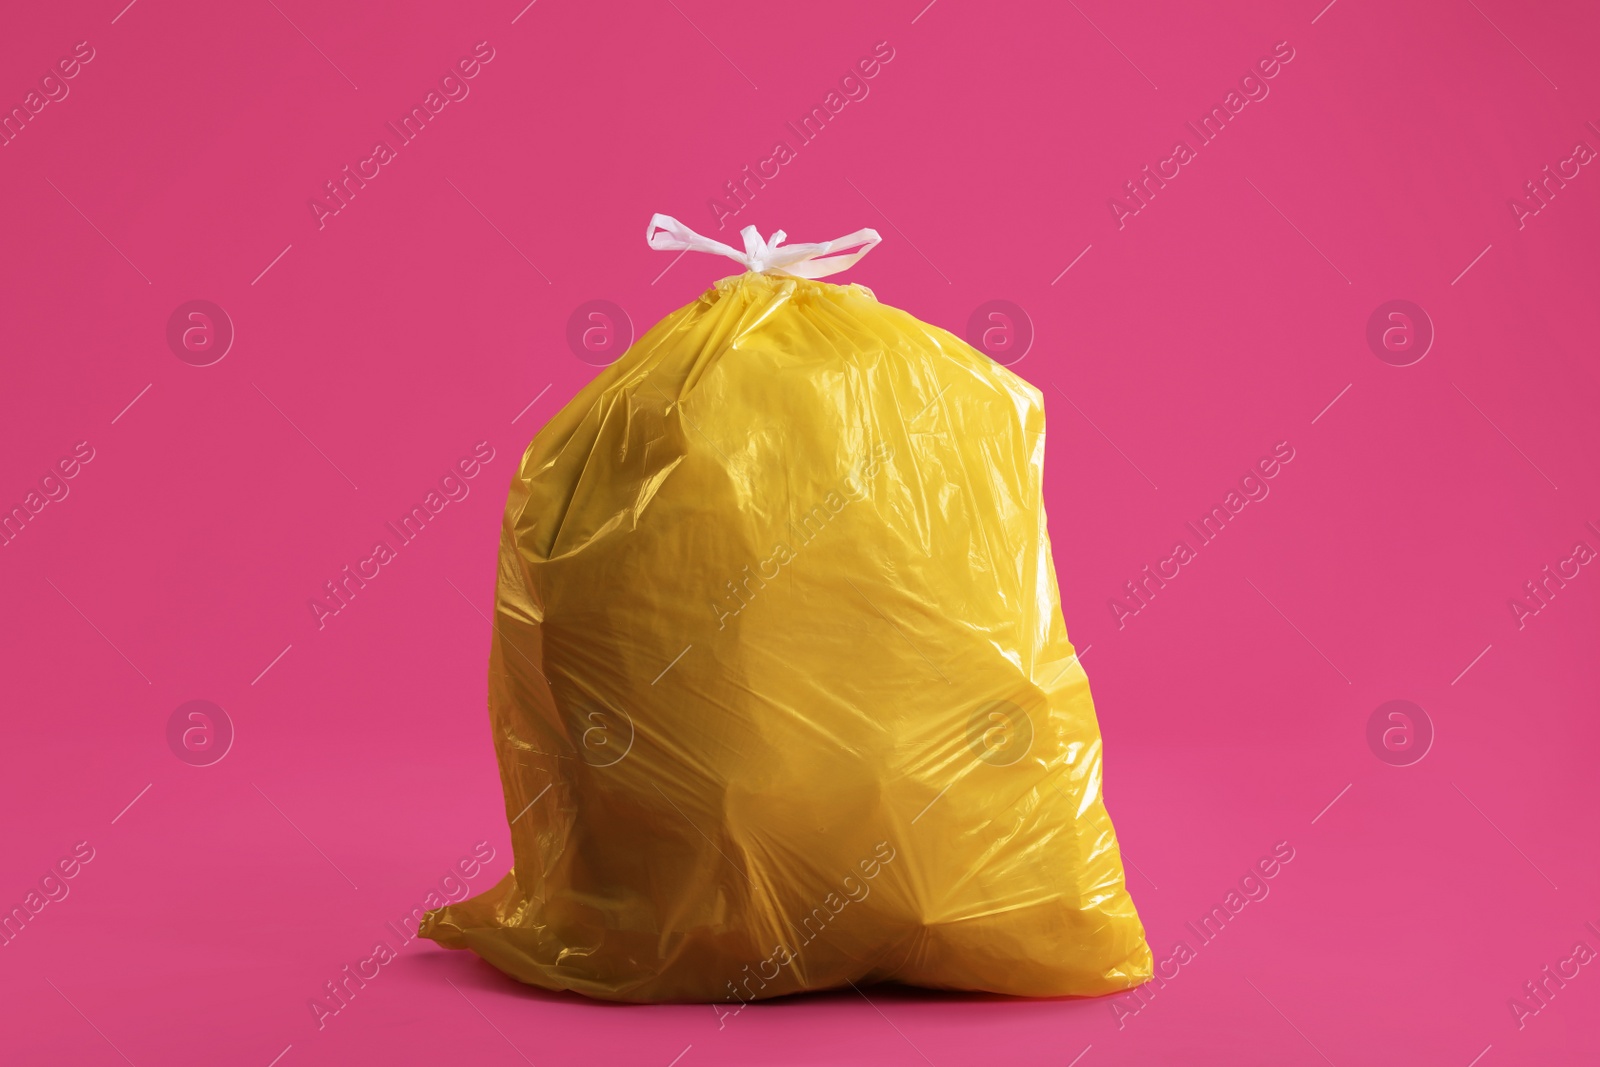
<point>779,685</point>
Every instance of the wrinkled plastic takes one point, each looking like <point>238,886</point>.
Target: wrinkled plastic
<point>779,685</point>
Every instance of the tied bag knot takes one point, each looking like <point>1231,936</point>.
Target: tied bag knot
<point>667,234</point>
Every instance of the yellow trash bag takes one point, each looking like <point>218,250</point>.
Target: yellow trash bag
<point>779,686</point>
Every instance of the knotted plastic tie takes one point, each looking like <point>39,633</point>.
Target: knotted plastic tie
<point>667,234</point>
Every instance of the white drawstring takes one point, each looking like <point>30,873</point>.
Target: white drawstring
<point>802,261</point>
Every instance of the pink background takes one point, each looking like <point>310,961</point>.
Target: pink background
<point>374,352</point>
